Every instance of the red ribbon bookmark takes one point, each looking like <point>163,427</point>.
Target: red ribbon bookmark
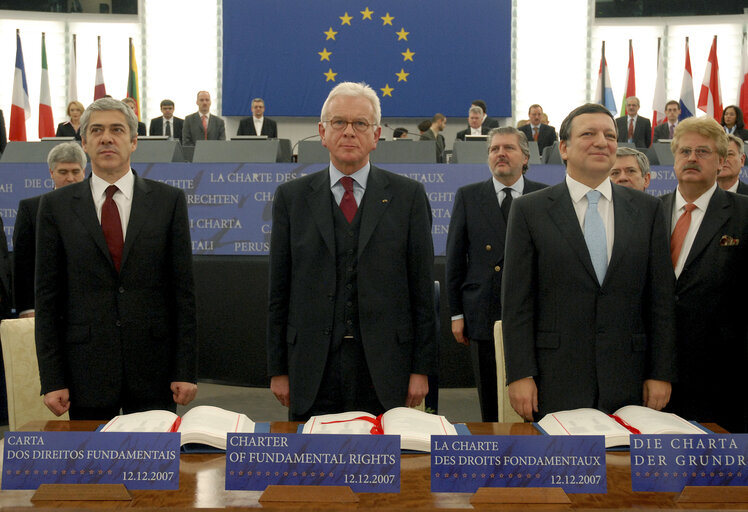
<point>377,422</point>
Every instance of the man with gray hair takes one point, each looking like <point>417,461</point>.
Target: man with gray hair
<point>67,164</point>
<point>257,123</point>
<point>633,127</point>
<point>631,169</point>
<point>351,320</point>
<point>729,177</point>
<point>475,255</point>
<point>475,124</point>
<point>115,306</point>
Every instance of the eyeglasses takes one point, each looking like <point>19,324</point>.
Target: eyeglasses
<point>699,152</point>
<point>360,125</point>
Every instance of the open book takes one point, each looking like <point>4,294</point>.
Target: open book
<point>414,427</point>
<point>204,424</point>
<point>632,419</point>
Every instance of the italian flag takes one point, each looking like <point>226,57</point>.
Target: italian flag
<point>46,122</point>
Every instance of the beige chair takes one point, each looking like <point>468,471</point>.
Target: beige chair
<point>506,413</point>
<point>22,374</point>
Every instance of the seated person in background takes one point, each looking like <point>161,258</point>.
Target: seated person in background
<point>130,102</point>
<point>475,126</point>
<point>67,164</point>
<point>72,128</point>
<point>487,122</point>
<point>631,169</point>
<point>438,123</point>
<point>258,124</point>
<point>423,126</point>
<point>543,134</point>
<point>167,124</point>
<point>202,125</point>
<point>729,177</point>
<point>400,133</point>
<point>733,122</point>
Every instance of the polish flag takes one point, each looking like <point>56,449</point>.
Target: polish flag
<point>99,87</point>
<point>46,121</point>
<point>687,104</point>
<point>20,110</point>
<point>710,99</point>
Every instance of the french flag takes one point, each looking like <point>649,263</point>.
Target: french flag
<point>687,104</point>
<point>710,98</point>
<point>20,110</point>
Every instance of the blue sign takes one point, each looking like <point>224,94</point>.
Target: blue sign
<point>363,463</point>
<point>667,463</point>
<point>574,463</point>
<point>140,461</point>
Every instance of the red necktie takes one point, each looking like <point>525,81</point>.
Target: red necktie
<point>679,233</point>
<point>631,128</point>
<point>112,226</point>
<point>348,203</point>
<point>205,127</point>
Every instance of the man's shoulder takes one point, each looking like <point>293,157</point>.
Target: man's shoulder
<point>472,188</point>
<point>642,200</point>
<point>396,180</point>
<point>646,120</point>
<point>302,182</point>
<point>30,203</point>
<point>532,186</point>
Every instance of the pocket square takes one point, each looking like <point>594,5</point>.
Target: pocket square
<point>728,241</point>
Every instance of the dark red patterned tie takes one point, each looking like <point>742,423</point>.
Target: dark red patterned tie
<point>348,203</point>
<point>112,226</point>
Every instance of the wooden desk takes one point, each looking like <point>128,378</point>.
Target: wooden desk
<point>201,484</point>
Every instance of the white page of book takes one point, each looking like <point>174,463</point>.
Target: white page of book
<point>415,423</point>
<point>649,421</point>
<point>148,421</point>
<point>214,421</point>
<point>579,422</point>
<point>316,424</point>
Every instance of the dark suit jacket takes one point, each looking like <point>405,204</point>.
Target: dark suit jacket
<point>742,188</point>
<point>587,345</point>
<point>475,257</point>
<point>24,253</point>
<point>99,331</point>
<point>395,285</point>
<point>141,128</point>
<point>157,127</point>
<point>661,131</point>
<point>6,298</point>
<point>742,133</point>
<point>710,316</point>
<point>440,144</point>
<point>490,122</point>
<point>192,129</point>
<point>642,131</point>
<point>462,133</point>
<point>66,130</point>
<point>546,135</point>
<point>247,127</point>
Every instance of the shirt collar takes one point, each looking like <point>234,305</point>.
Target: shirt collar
<point>578,190</point>
<point>125,184</point>
<point>518,185</point>
<point>701,202</point>
<point>361,176</point>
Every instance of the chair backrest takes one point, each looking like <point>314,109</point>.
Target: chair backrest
<point>22,374</point>
<point>506,413</point>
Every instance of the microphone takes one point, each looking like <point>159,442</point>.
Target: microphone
<point>302,140</point>
<point>394,130</point>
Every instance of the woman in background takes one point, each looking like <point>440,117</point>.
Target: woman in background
<point>732,121</point>
<point>72,128</point>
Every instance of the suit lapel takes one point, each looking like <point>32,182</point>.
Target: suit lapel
<point>377,201</point>
<point>668,202</point>
<point>717,213</point>
<point>625,218</point>
<point>561,211</point>
<point>142,204</point>
<point>84,208</point>
<point>319,204</point>
<point>489,205</point>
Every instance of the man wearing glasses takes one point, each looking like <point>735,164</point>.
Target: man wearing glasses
<point>709,249</point>
<point>351,321</point>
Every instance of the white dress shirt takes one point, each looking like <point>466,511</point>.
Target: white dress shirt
<point>258,124</point>
<point>360,178</point>
<point>697,215</point>
<point>122,198</point>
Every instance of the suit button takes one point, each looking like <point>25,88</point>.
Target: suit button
<point>350,251</point>
<point>497,268</point>
<point>122,289</point>
<point>676,298</point>
<point>349,303</point>
<point>326,332</point>
<point>349,286</point>
<point>118,323</point>
<point>488,247</point>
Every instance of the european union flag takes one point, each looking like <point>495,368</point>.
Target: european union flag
<point>420,56</point>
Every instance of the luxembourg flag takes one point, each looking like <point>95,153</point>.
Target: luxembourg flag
<point>660,95</point>
<point>20,110</point>
<point>743,85</point>
<point>687,104</point>
<point>46,121</point>
<point>99,87</point>
<point>710,98</point>
<point>604,92</point>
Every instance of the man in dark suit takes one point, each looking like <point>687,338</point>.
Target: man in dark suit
<point>195,124</point>
<point>729,176</point>
<point>67,164</point>
<point>543,134</point>
<point>587,294</point>
<point>115,307</point>
<point>475,127</point>
<point>488,122</point>
<point>665,130</point>
<point>631,169</point>
<point>351,322</point>
<point>475,256</point>
<point>633,127</point>
<point>167,124</point>
<point>250,125</point>
<point>709,230</point>
<point>438,123</point>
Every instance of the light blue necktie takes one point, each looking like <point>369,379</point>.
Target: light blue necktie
<point>594,235</point>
